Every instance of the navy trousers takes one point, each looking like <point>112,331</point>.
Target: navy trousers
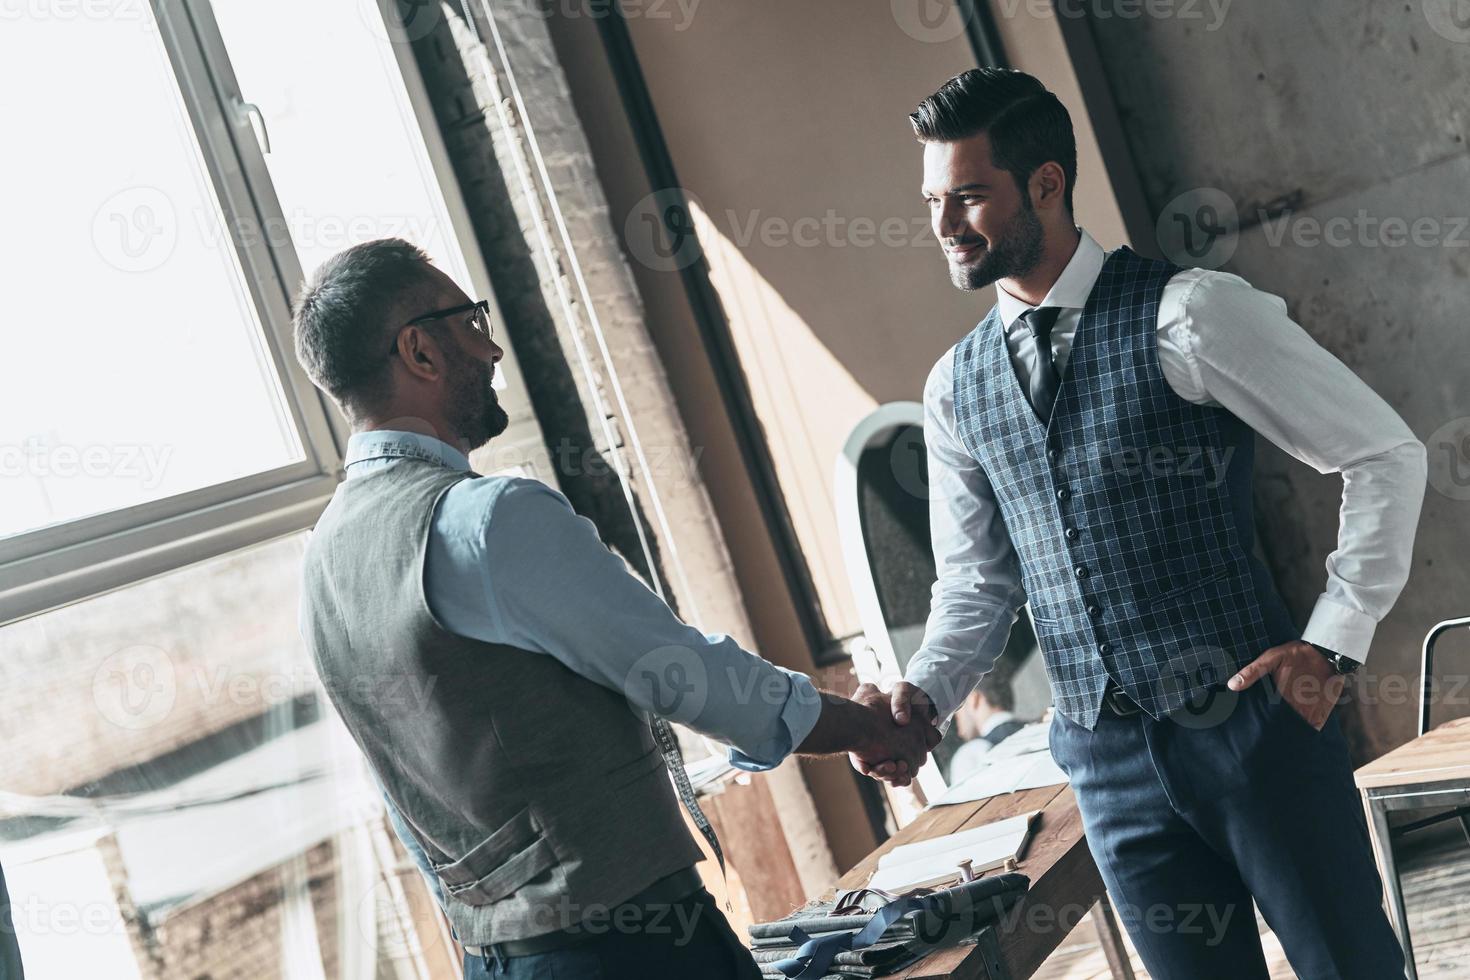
<point>690,938</point>
<point>1192,817</point>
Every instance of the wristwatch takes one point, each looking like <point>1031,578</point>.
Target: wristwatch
<point>1340,663</point>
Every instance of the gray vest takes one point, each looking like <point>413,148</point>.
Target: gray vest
<point>1130,510</point>
<point>538,795</point>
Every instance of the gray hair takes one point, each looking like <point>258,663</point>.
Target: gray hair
<point>342,318</point>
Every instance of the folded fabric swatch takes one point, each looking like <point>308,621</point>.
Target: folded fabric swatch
<point>881,954</point>
<point>813,919</point>
<point>850,963</point>
<point>943,918</point>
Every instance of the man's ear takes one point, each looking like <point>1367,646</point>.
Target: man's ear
<point>425,358</point>
<point>1048,186</point>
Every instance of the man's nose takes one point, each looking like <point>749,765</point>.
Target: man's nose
<point>951,222</point>
<point>496,353</point>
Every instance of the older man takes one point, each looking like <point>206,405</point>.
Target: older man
<point>484,649</point>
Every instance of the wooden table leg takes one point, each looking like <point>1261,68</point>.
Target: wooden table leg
<point>1110,938</point>
<point>1389,872</point>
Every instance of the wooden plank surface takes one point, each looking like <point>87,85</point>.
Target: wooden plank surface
<point>1441,755</point>
<point>1064,881</point>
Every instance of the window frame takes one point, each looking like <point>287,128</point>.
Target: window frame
<point>63,563</point>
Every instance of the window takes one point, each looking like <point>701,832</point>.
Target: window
<point>173,775</point>
<point>181,801</point>
<point>153,412</point>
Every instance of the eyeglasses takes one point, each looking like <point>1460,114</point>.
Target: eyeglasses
<point>478,320</point>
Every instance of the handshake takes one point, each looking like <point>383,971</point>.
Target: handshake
<point>898,735</point>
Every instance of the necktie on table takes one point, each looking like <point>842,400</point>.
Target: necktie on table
<point>1042,389</point>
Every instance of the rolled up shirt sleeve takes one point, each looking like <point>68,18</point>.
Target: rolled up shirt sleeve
<point>551,586</point>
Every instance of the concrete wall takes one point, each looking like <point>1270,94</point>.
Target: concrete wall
<point>1294,114</point>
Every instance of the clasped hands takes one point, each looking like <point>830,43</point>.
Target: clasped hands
<point>901,733</point>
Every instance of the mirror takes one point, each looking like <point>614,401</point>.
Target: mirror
<point>883,513</point>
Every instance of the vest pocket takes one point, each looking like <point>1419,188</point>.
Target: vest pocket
<point>1186,588</point>
<point>501,863</point>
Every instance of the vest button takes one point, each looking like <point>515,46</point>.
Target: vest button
<point>1071,533</point>
<point>1081,571</point>
<point>1095,611</point>
<point>1104,648</point>
<point>1063,493</point>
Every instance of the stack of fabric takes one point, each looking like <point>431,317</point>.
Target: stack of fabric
<point>898,948</point>
<point>813,943</point>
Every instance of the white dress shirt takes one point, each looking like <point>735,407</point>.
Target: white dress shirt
<point>1221,343</point>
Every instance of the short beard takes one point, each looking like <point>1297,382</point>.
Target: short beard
<point>1017,251</point>
<point>474,406</point>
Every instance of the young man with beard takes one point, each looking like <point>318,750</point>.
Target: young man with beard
<point>1090,450</point>
<point>484,649</point>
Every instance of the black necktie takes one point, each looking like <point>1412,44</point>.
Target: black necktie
<point>1042,389</point>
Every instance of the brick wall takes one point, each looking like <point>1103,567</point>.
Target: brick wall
<point>126,677</point>
<point>235,935</point>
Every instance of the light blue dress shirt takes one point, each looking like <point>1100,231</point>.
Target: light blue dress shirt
<point>509,561</point>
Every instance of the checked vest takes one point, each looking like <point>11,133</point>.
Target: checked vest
<point>1130,510</point>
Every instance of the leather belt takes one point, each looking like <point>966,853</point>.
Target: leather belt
<point>666,891</point>
<point>1117,702</point>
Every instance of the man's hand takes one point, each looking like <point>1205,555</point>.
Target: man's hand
<point>1306,679</point>
<point>901,747</point>
<point>910,701</point>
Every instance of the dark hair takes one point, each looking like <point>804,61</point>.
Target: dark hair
<point>998,691</point>
<point>343,329</point>
<point>1028,125</point>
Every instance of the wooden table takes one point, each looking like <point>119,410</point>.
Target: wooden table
<point>1064,881</point>
<point>1431,771</point>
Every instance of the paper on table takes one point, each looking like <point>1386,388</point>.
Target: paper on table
<point>1028,771</point>
<point>933,861</point>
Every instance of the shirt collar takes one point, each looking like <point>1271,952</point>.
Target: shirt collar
<point>1071,289</point>
<point>395,443</point>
